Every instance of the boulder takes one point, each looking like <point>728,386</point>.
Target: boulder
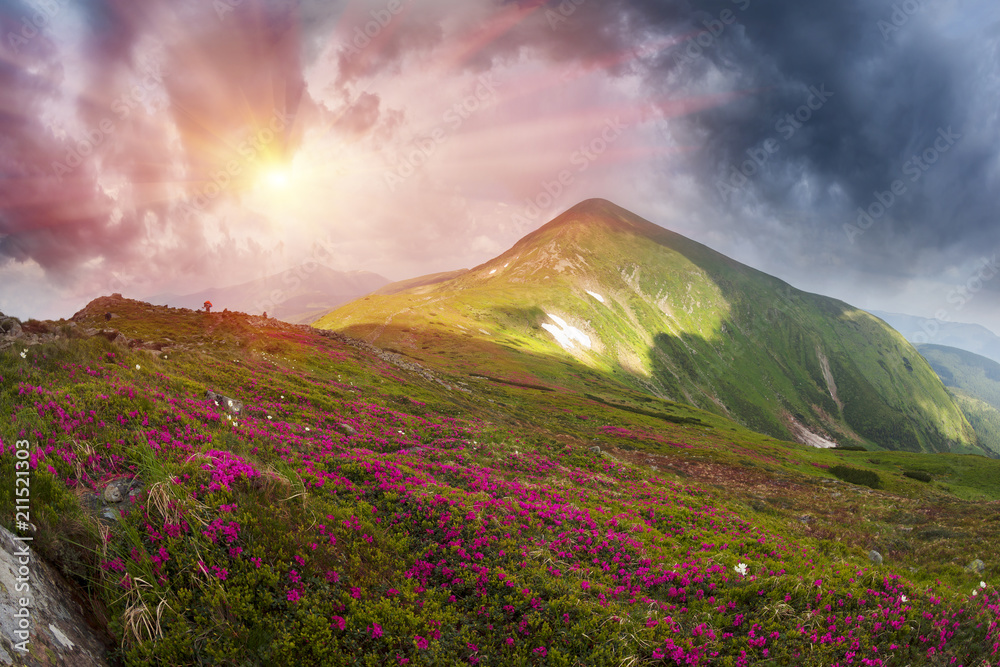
<point>112,494</point>
<point>976,567</point>
<point>56,626</point>
<point>230,405</point>
<point>10,327</point>
<point>875,557</point>
<point>346,429</point>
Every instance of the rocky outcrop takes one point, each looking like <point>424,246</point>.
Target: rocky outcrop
<point>9,326</point>
<point>230,405</point>
<point>390,357</point>
<point>52,627</point>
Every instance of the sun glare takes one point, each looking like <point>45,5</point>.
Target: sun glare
<point>277,178</point>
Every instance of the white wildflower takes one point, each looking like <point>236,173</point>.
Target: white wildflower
<point>903,598</point>
<point>741,569</point>
<point>137,367</point>
<point>24,355</point>
<point>975,591</point>
<point>982,584</point>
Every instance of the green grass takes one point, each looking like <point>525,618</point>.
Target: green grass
<point>706,480</point>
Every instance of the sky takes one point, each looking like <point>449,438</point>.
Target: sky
<point>851,148</point>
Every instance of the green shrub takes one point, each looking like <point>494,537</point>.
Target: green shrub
<point>856,476</point>
<point>918,475</point>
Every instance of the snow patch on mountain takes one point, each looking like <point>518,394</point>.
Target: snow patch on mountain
<point>567,336</point>
<point>596,296</point>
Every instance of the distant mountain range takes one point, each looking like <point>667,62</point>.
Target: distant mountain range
<point>298,295</point>
<point>925,330</point>
<point>599,298</point>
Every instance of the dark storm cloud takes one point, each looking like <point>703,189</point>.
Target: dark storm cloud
<point>849,93</point>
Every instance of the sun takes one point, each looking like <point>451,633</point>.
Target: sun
<point>277,178</point>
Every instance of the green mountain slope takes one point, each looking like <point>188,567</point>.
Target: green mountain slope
<point>975,382</point>
<point>919,330</point>
<point>637,305</point>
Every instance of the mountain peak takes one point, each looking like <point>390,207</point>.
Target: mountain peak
<point>599,212</point>
<point>594,219</point>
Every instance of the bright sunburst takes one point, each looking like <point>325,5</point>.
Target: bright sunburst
<point>277,178</point>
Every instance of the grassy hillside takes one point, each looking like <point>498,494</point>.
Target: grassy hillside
<point>972,373</point>
<point>984,418</point>
<point>669,317</point>
<point>974,338</point>
<point>364,510</point>
<point>975,382</point>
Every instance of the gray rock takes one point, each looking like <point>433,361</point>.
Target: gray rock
<point>346,429</point>
<point>595,449</point>
<point>875,557</point>
<point>10,327</point>
<point>57,629</point>
<point>112,494</point>
<point>230,405</point>
<point>977,566</point>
